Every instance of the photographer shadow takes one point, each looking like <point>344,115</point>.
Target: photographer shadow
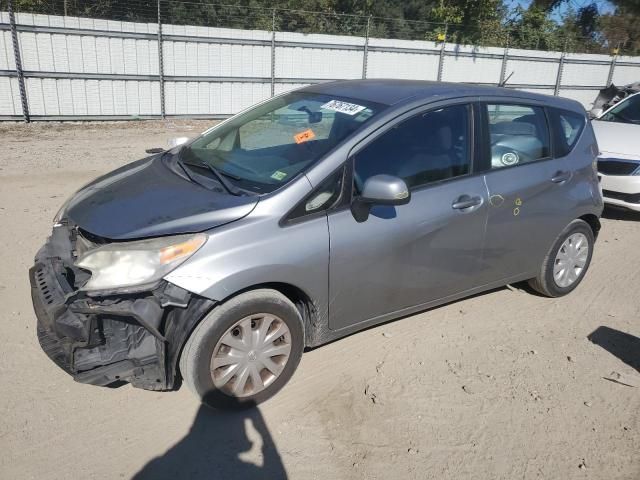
<point>215,448</point>
<point>620,344</point>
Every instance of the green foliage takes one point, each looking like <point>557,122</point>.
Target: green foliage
<point>476,22</point>
<point>621,33</point>
<point>533,29</point>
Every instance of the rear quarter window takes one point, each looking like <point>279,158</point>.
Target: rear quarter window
<point>567,128</point>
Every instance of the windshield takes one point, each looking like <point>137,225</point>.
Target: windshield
<point>267,146</point>
<point>627,111</point>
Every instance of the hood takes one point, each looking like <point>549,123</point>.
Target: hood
<point>622,139</point>
<point>147,199</point>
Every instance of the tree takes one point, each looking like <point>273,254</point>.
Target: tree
<point>532,28</point>
<point>621,33</point>
<point>476,22</point>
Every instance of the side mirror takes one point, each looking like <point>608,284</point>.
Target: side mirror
<point>380,190</point>
<point>385,190</point>
<point>176,141</point>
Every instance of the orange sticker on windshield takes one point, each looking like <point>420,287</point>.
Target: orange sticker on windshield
<point>304,136</point>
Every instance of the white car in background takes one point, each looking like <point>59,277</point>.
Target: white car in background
<point>617,130</point>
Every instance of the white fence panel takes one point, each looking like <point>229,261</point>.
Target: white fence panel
<point>82,67</point>
<point>585,97</point>
<point>298,62</point>
<point>586,74</point>
<point>7,60</point>
<point>9,97</point>
<point>627,73</point>
<point>467,63</point>
<point>402,65</point>
<point>219,98</point>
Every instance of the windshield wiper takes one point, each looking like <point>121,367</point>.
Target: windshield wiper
<point>228,186</point>
<point>185,170</point>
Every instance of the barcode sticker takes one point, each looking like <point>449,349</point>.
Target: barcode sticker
<point>343,107</point>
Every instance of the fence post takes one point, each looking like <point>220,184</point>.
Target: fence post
<point>160,64</point>
<point>442,54</point>
<point>366,49</point>
<point>556,90</point>
<point>273,52</point>
<point>505,58</point>
<point>612,68</point>
<point>18,60</point>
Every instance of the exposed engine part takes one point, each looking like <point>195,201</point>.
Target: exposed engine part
<point>611,95</point>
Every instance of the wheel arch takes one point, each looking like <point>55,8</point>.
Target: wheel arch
<point>593,221</point>
<point>309,313</point>
<point>308,309</point>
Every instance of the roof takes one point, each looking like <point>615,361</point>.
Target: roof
<point>392,91</point>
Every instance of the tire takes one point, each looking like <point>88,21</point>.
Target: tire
<point>266,309</point>
<point>545,283</point>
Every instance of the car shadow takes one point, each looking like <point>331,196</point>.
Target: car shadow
<point>612,213</point>
<point>623,345</point>
<point>214,449</point>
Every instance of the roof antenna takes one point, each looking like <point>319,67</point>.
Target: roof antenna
<point>504,82</point>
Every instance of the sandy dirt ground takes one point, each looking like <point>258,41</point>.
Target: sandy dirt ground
<point>504,385</point>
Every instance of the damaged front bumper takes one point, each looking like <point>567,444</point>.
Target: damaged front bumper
<point>114,337</point>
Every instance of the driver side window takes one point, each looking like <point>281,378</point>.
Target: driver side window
<point>519,134</point>
<point>429,147</point>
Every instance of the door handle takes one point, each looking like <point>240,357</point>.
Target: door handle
<point>561,177</point>
<point>465,201</point>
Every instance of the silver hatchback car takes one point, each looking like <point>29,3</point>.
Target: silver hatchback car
<point>308,217</point>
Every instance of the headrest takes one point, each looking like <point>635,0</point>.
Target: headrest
<point>445,137</point>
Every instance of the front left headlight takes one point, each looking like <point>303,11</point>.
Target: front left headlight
<point>132,264</point>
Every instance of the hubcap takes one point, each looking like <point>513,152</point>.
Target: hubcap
<point>251,355</point>
<point>571,260</point>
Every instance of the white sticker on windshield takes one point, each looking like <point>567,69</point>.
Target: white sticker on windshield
<point>343,107</point>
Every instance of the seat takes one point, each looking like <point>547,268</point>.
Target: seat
<point>435,161</point>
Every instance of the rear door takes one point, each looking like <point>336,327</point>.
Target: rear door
<point>405,256</point>
<point>526,189</point>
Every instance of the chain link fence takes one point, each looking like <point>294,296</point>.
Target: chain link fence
<point>77,59</point>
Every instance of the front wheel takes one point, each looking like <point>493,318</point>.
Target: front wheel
<point>567,262</point>
<point>244,350</point>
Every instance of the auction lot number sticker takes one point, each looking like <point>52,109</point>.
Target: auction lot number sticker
<point>343,107</point>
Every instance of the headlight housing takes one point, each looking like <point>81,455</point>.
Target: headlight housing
<point>139,263</point>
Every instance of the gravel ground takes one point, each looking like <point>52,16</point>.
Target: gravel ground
<point>501,385</point>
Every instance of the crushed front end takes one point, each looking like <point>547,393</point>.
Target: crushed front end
<point>108,337</point>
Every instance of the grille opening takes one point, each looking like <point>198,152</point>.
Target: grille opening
<point>625,197</point>
<point>617,167</point>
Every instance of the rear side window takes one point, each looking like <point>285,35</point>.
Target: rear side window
<point>518,133</point>
<point>567,127</point>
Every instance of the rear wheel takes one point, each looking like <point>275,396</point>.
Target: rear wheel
<point>244,351</point>
<point>567,262</point>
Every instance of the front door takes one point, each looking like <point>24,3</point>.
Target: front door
<point>404,256</point>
